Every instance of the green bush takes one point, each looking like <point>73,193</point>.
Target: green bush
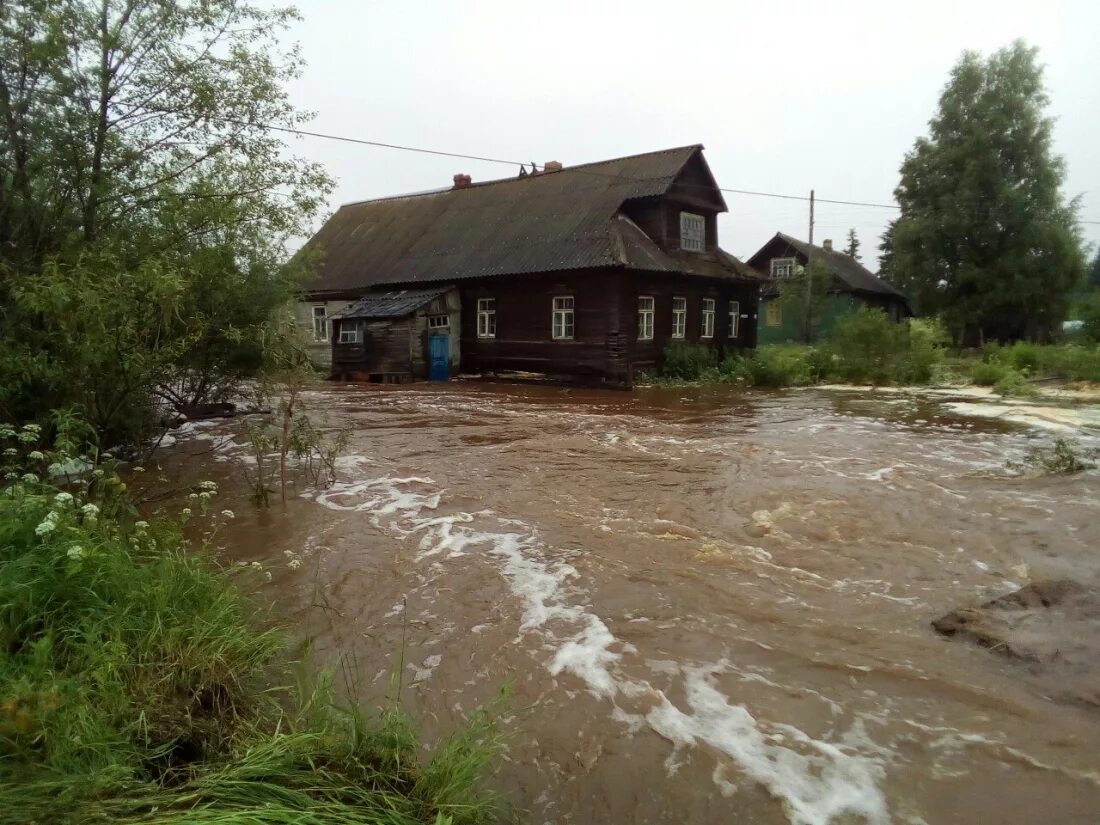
<point>135,685</point>
<point>687,362</point>
<point>988,373</point>
<point>782,365</point>
<point>1014,383</point>
<point>867,346</point>
<point>1089,312</point>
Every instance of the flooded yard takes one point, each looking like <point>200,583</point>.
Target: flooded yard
<point>709,606</point>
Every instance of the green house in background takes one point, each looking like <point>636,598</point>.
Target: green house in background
<point>783,258</point>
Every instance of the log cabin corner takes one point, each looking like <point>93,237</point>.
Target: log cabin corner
<point>582,273</point>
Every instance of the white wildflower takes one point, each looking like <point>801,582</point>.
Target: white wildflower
<point>288,553</point>
<point>11,451</point>
<point>89,511</point>
<point>28,437</point>
<point>30,478</point>
<point>35,455</point>
<point>11,476</point>
<point>206,495</point>
<point>267,575</point>
<point>256,566</point>
<point>141,526</point>
<point>45,528</point>
<point>193,496</point>
<point>63,499</point>
<point>75,552</point>
<point>209,486</point>
<point>186,511</point>
<point>32,428</point>
<point>294,564</point>
<point>228,513</point>
<point>98,473</point>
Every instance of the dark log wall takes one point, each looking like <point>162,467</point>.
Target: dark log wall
<point>605,344</point>
<point>646,354</point>
<point>524,311</point>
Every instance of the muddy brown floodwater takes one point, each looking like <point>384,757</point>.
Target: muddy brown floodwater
<point>710,606</point>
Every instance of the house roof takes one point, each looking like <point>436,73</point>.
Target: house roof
<point>392,304</point>
<point>550,221</point>
<point>846,268</point>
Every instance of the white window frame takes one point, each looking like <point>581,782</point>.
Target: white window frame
<point>646,309</point>
<point>786,264</point>
<point>439,321</point>
<point>679,316</point>
<point>486,317</point>
<point>773,314</point>
<point>693,232</point>
<point>735,318</point>
<point>349,335</point>
<point>709,305</point>
<point>320,333</point>
<point>563,318</point>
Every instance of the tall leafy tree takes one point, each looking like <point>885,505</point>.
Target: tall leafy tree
<point>141,154</point>
<point>985,236</point>
<point>851,249</point>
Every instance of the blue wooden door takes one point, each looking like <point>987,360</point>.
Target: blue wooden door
<point>439,354</point>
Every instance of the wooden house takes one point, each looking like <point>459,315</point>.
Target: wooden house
<point>587,271</point>
<point>784,258</point>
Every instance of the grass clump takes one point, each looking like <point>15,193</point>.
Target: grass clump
<point>135,685</point>
<point>867,347</point>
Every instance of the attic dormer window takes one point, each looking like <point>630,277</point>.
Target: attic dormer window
<point>693,232</point>
<point>782,267</point>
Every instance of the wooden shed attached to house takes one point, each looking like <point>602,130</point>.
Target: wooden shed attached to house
<point>398,335</point>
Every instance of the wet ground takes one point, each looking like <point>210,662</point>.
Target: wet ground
<point>710,606</point>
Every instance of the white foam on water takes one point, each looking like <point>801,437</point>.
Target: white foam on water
<point>815,781</point>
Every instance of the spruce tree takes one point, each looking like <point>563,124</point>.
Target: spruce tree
<point>852,249</point>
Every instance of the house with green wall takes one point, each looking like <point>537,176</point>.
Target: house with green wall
<point>784,259</point>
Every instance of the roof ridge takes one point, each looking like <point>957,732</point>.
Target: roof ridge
<point>515,179</point>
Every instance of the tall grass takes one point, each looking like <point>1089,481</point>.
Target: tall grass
<point>136,684</point>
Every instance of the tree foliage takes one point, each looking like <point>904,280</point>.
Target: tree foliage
<point>805,295</point>
<point>145,200</point>
<point>985,236</point>
<point>851,249</point>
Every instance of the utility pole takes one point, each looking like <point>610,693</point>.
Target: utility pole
<point>808,320</point>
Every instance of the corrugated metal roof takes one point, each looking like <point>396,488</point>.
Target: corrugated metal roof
<point>392,304</point>
<point>551,221</point>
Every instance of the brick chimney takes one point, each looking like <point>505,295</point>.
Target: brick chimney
<point>551,166</point>
<point>827,244</point>
<point>462,181</point>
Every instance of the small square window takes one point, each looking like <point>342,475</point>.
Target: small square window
<point>438,321</point>
<point>349,333</point>
<point>693,231</point>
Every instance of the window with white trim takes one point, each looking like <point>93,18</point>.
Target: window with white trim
<point>645,317</point>
<point>349,332</point>
<point>679,317</point>
<point>708,318</point>
<point>486,317</point>
<point>735,318</point>
<point>773,317</point>
<point>782,267</point>
<point>320,323</point>
<point>563,318</point>
<point>438,321</point>
<point>693,232</point>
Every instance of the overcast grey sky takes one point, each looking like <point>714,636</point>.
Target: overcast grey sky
<point>784,95</point>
